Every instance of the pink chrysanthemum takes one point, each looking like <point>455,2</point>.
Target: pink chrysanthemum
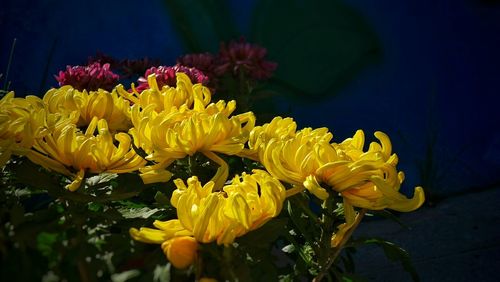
<point>241,56</point>
<point>166,76</point>
<point>90,78</point>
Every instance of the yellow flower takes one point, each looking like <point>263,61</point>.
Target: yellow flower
<point>20,124</point>
<point>67,149</point>
<point>209,215</point>
<point>368,179</point>
<point>294,159</point>
<point>167,136</point>
<point>100,103</point>
<point>246,204</point>
<point>167,97</point>
<point>180,251</point>
<point>279,128</point>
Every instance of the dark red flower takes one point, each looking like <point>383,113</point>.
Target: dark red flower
<point>90,78</point>
<point>166,76</point>
<point>102,58</point>
<point>137,67</point>
<point>241,56</point>
<point>204,62</point>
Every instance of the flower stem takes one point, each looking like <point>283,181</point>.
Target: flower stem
<point>335,252</point>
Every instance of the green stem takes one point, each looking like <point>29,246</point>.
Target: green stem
<point>11,55</point>
<point>327,223</point>
<point>244,93</point>
<point>335,252</point>
<point>227,255</point>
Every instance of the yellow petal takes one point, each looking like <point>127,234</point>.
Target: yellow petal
<point>313,186</point>
<point>181,251</point>
<point>77,182</point>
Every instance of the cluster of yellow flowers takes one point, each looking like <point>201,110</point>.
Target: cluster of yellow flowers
<point>78,132</point>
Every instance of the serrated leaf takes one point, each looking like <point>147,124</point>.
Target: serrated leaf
<point>100,178</point>
<point>144,212</point>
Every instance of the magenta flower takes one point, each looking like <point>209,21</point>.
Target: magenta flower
<point>166,76</point>
<point>241,56</point>
<point>90,78</point>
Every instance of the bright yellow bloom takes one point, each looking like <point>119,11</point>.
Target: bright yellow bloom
<point>67,149</point>
<point>279,128</point>
<point>167,97</point>
<point>246,204</point>
<point>20,124</point>
<point>101,104</point>
<point>293,159</point>
<point>167,136</point>
<point>209,215</point>
<point>368,179</point>
<point>364,179</point>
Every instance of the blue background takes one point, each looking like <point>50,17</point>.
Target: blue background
<point>434,89</point>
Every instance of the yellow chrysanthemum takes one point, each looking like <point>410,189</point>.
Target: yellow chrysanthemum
<point>22,120</point>
<point>364,179</point>
<point>246,204</point>
<point>167,136</point>
<point>67,149</point>
<point>101,104</point>
<point>209,215</point>
<point>368,179</point>
<point>167,97</point>
<point>294,159</point>
<point>279,128</point>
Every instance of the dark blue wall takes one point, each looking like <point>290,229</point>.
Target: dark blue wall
<point>438,78</point>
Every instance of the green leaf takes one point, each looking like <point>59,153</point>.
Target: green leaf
<point>144,212</point>
<point>100,179</point>
<point>288,249</point>
<point>395,253</point>
<point>45,242</point>
<point>321,44</point>
<point>389,215</point>
<point>162,273</point>
<point>124,276</point>
<point>17,215</point>
<point>348,261</point>
<point>351,277</point>
<point>30,174</point>
<point>161,199</point>
<point>95,207</point>
<point>266,234</point>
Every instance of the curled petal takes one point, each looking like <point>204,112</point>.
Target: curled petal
<point>181,251</point>
<point>313,186</point>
